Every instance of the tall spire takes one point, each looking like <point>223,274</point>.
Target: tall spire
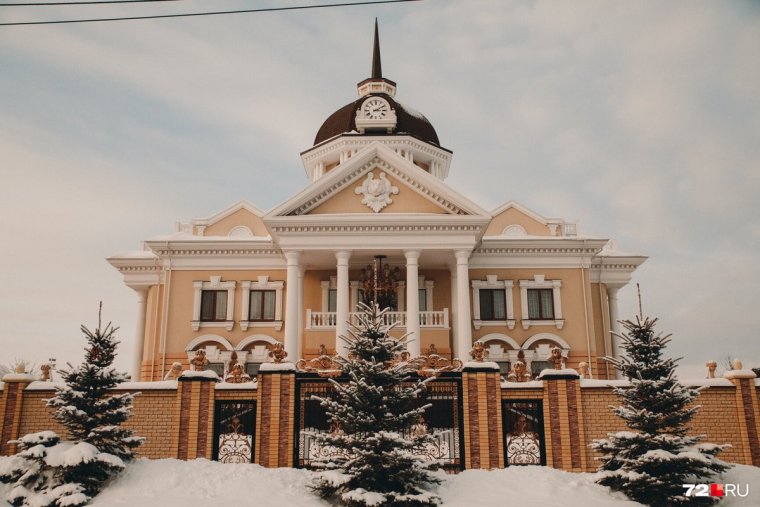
<point>377,67</point>
<point>376,83</point>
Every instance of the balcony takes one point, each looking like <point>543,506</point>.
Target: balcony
<point>428,319</point>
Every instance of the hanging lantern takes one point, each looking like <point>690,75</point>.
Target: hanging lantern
<point>379,284</point>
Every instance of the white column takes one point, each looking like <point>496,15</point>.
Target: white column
<point>142,304</point>
<point>341,325</point>
<point>291,306</point>
<point>464,330</point>
<point>614,316</point>
<point>413,302</point>
<point>299,342</point>
<point>454,312</point>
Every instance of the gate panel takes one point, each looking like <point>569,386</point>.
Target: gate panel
<point>442,419</point>
<point>523,432</point>
<point>234,431</point>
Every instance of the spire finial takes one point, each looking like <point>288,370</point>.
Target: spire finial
<point>377,68</point>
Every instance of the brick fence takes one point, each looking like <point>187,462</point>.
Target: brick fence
<point>177,417</point>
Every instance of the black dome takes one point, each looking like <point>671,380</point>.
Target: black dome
<point>408,122</point>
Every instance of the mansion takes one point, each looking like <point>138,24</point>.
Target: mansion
<point>263,298</point>
<point>377,206</point>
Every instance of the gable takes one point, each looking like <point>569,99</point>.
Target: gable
<point>377,158</point>
<point>514,216</point>
<point>240,219</point>
<point>349,199</point>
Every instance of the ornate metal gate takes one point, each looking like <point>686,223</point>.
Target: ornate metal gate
<point>234,431</point>
<point>523,432</point>
<point>443,419</point>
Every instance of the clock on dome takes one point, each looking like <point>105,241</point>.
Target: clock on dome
<point>375,108</point>
<point>375,113</point>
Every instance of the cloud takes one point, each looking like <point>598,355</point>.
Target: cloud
<point>638,118</point>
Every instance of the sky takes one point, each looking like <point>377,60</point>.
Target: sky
<point>641,120</point>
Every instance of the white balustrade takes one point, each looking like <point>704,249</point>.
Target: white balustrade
<point>428,319</point>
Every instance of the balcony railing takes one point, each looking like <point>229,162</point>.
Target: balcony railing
<point>428,319</point>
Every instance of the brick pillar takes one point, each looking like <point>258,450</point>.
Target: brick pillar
<point>193,433</point>
<point>563,422</point>
<point>11,399</point>
<point>482,421</point>
<point>275,416</point>
<point>748,412</point>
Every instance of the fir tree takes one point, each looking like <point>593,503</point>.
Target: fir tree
<point>373,460</point>
<point>48,472</point>
<point>652,462</point>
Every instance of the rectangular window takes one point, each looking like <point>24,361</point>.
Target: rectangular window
<point>536,367</point>
<point>540,304</point>
<point>262,305</point>
<point>423,299</point>
<point>332,300</point>
<point>252,369</point>
<point>217,368</point>
<point>493,304</point>
<point>214,305</point>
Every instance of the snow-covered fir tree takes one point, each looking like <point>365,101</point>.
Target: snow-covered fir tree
<point>48,472</point>
<point>373,460</point>
<point>651,462</point>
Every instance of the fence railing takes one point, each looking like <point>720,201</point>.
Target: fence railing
<point>428,319</point>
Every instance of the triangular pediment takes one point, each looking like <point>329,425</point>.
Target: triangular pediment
<point>241,219</point>
<point>514,219</point>
<point>377,180</point>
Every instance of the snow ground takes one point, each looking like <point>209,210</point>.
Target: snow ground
<point>202,483</point>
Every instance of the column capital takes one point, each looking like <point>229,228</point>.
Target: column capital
<point>343,255</point>
<point>412,255</point>
<point>462,255</point>
<point>292,256</point>
<point>612,291</point>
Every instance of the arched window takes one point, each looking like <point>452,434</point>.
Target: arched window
<point>540,346</point>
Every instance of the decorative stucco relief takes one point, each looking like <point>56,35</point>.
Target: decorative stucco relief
<point>377,192</point>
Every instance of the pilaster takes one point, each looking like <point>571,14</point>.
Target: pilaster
<point>11,401</point>
<point>195,412</point>
<point>482,421</point>
<point>275,419</point>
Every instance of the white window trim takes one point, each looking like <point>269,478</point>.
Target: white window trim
<point>539,282</point>
<point>215,283</point>
<point>263,283</point>
<point>492,282</point>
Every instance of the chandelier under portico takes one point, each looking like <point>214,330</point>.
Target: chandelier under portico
<point>379,284</point>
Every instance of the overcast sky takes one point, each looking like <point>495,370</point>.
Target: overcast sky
<point>639,119</point>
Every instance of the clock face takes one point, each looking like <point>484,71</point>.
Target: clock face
<point>375,109</point>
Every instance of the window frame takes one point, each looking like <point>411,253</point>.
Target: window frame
<point>493,283</point>
<point>262,283</point>
<point>539,282</point>
<point>215,293</point>
<point>544,312</point>
<point>262,305</point>
<point>215,283</point>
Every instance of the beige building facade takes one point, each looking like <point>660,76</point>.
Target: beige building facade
<point>245,279</point>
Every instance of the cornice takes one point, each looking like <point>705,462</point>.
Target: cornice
<point>366,228</point>
<point>353,140</point>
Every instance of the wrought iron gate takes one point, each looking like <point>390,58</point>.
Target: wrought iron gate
<point>443,419</point>
<point>523,422</point>
<point>234,431</point>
